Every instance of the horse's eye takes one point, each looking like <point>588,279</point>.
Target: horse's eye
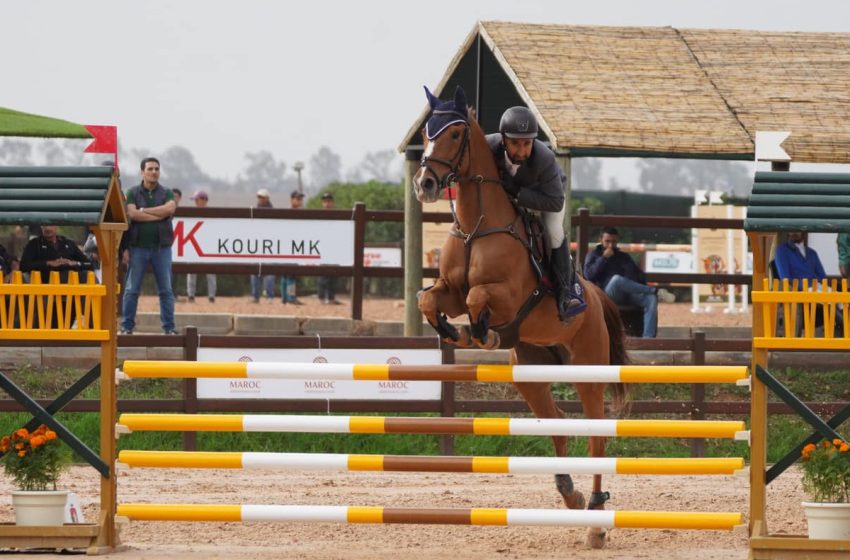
<point>455,135</point>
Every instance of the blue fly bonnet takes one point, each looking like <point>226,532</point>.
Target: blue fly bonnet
<point>445,113</point>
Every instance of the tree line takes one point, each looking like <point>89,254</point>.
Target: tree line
<point>261,169</point>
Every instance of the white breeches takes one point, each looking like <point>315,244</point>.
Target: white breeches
<point>553,224</point>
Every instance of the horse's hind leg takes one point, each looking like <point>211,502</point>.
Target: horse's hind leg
<point>592,401</point>
<point>542,403</point>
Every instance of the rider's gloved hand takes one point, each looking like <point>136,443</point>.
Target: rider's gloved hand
<point>509,185</point>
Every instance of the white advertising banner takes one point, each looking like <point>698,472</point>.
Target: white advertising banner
<point>240,240</point>
<point>313,389</point>
<point>382,257</point>
<point>669,261</point>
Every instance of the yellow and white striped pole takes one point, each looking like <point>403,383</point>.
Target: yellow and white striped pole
<point>472,516</point>
<point>412,463</point>
<point>449,372</point>
<point>135,422</point>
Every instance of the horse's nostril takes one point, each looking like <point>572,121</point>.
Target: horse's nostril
<point>429,184</point>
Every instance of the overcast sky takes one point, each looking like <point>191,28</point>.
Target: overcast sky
<point>225,78</point>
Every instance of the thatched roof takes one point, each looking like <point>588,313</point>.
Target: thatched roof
<point>660,91</point>
<point>783,81</point>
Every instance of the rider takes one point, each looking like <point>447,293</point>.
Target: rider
<point>532,177</point>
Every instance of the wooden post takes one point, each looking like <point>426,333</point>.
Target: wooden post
<point>698,393</point>
<point>567,167</point>
<point>107,242</point>
<point>760,244</point>
<point>582,237</point>
<point>412,247</point>
<point>359,244</point>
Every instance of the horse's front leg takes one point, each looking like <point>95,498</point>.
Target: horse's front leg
<point>478,302</point>
<point>436,303</point>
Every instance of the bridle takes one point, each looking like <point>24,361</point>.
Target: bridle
<point>452,175</point>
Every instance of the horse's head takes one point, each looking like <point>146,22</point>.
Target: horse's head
<point>446,138</point>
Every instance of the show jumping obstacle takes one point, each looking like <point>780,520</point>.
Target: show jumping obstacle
<point>406,463</point>
<point>139,422</point>
<point>474,426</point>
<point>491,373</point>
<point>437,516</point>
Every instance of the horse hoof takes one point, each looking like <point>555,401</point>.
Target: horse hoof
<point>575,500</point>
<point>596,537</point>
<point>493,341</point>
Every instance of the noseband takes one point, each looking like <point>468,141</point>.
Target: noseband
<point>453,168</point>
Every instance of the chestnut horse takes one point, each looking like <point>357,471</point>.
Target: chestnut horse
<point>486,273</point>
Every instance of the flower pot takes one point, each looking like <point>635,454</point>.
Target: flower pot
<point>39,508</point>
<point>828,520</point>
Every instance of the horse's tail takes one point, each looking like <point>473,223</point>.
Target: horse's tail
<point>618,355</point>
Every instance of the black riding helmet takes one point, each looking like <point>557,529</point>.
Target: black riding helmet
<point>518,122</point>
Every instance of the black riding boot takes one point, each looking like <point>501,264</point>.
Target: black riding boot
<point>568,292</point>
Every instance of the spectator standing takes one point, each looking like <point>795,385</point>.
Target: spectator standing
<point>201,199</point>
<point>625,283</point>
<point>288,284</point>
<point>178,196</point>
<point>263,201</point>
<point>326,284</point>
<point>150,207</point>
<point>795,260</point>
<point>844,254</point>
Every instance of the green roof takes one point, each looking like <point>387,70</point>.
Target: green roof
<point>16,123</point>
<point>813,202</point>
<point>59,195</point>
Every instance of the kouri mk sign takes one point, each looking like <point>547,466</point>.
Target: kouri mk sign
<point>238,240</point>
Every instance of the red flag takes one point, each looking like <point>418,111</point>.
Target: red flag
<point>105,140</point>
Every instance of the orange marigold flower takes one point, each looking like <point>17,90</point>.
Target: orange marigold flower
<point>49,435</point>
<point>22,433</point>
<point>22,453</point>
<point>36,441</point>
<point>809,448</point>
<point>844,448</point>
<point>836,442</point>
<point>19,446</point>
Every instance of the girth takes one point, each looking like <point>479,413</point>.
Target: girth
<point>508,332</point>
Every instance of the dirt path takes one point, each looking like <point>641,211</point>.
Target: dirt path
<point>383,309</point>
<point>160,540</point>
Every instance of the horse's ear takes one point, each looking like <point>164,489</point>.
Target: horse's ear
<point>470,111</point>
<point>460,99</point>
<point>432,101</point>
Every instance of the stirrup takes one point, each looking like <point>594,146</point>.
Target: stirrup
<point>575,303</point>
<point>573,308</point>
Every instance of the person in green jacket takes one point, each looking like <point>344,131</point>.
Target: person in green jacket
<point>844,254</point>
